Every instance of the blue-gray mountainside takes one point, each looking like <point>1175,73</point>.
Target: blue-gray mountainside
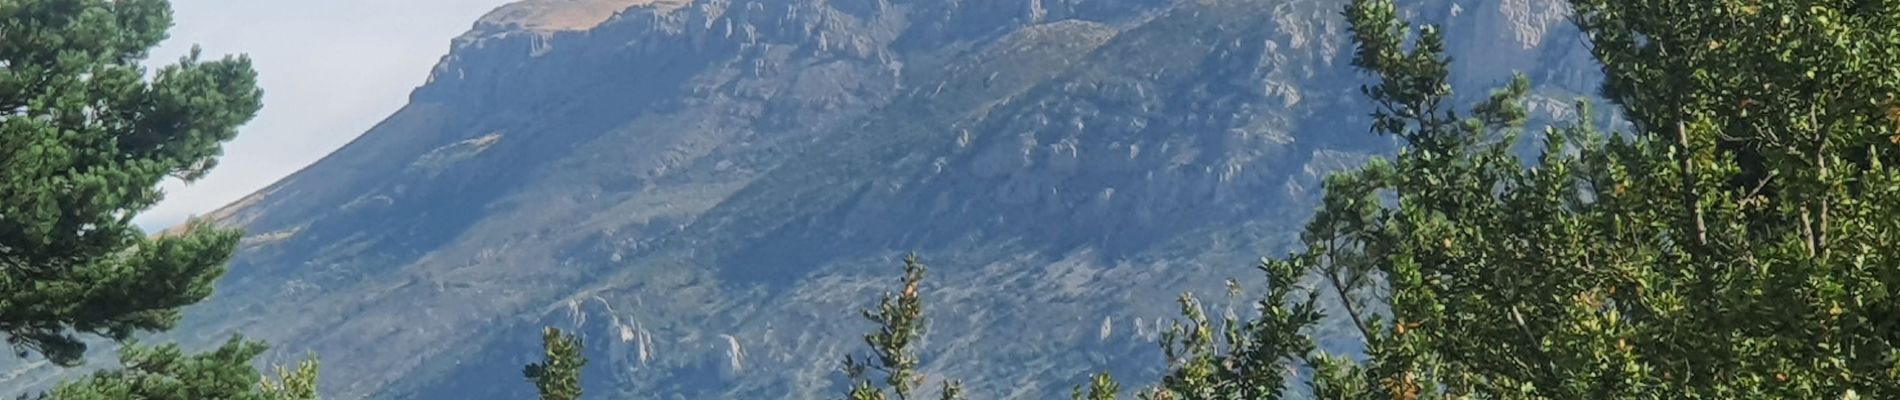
<point>708,190</point>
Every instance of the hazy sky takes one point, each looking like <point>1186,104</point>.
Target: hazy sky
<point>330,69</point>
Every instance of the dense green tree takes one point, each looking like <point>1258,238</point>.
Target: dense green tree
<point>558,376</point>
<point>85,139</point>
<point>1231,358</point>
<point>1735,242</point>
<point>1101,387</point>
<point>166,373</point>
<point>292,384</point>
<point>901,323</point>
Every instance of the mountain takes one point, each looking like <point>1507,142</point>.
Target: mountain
<point>708,190</point>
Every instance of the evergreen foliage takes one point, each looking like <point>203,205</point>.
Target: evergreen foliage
<point>166,373</point>
<point>558,377</point>
<point>85,140</point>
<point>900,321</point>
<point>1736,243</point>
<point>298,384</point>
<point>1101,387</point>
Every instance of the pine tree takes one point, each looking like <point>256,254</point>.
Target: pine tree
<point>85,139</point>
<point>1736,242</point>
<point>292,384</point>
<point>558,377</point>
<point>166,373</point>
<point>900,320</point>
<point>1101,387</point>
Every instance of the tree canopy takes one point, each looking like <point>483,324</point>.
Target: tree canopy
<point>894,344</point>
<point>85,139</point>
<point>167,373</point>
<point>558,375</point>
<point>1734,243</point>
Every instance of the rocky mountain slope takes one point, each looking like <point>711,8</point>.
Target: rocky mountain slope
<point>708,190</point>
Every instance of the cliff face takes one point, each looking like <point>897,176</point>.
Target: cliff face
<point>708,190</point>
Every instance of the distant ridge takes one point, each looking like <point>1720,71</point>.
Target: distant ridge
<point>565,15</point>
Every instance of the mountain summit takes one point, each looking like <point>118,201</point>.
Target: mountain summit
<point>708,190</point>
<point>562,15</point>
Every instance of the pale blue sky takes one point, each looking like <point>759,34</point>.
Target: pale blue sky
<point>330,69</point>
